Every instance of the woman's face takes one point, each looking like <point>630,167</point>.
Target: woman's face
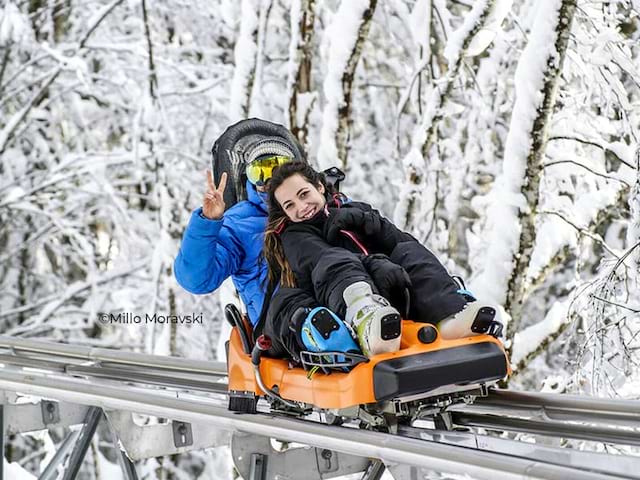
<point>300,199</point>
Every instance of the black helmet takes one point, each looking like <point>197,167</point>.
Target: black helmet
<point>242,143</point>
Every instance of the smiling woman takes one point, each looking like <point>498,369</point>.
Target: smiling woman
<point>359,267</point>
<point>300,199</point>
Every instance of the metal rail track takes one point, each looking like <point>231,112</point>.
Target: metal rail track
<point>389,448</point>
<point>109,356</point>
<point>567,416</point>
<point>107,372</point>
<point>561,407</point>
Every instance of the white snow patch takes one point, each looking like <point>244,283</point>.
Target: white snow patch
<point>420,25</point>
<point>14,26</point>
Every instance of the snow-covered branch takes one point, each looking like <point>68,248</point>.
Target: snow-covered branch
<point>246,55</point>
<point>425,135</point>
<point>153,78</point>
<point>348,31</point>
<point>299,88</point>
<point>516,194</point>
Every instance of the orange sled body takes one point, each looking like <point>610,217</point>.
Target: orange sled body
<point>415,370</point>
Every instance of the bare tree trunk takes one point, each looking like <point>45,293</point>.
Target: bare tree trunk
<point>153,78</point>
<point>263,30</point>
<point>3,67</point>
<point>344,111</point>
<point>633,232</point>
<point>337,112</point>
<point>300,77</point>
<point>516,289</point>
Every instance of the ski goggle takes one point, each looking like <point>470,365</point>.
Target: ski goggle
<point>261,169</point>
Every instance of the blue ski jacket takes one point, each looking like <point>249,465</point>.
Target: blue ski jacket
<point>213,250</point>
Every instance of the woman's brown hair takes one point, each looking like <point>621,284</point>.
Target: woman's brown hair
<point>278,266</point>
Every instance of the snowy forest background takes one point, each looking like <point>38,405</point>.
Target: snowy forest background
<point>503,135</point>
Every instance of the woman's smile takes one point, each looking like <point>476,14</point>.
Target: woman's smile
<point>300,199</point>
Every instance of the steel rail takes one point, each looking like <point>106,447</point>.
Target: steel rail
<point>189,383</point>
<point>42,364</point>
<point>96,354</point>
<point>562,407</point>
<point>562,401</point>
<point>111,371</point>
<point>532,404</point>
<point>627,466</point>
<point>389,448</point>
<point>124,373</point>
<point>525,412</point>
<point>549,428</point>
<point>528,414</point>
<point>571,416</point>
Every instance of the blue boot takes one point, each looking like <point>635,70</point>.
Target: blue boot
<point>323,331</point>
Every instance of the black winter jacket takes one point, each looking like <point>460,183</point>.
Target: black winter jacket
<point>325,261</point>
<point>320,264</point>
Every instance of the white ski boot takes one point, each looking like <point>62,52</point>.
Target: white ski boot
<point>475,318</point>
<point>376,322</point>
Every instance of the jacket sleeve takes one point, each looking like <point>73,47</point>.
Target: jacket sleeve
<point>209,253</point>
<point>378,230</point>
<point>323,269</point>
<point>303,250</point>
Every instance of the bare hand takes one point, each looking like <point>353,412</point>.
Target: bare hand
<point>213,203</point>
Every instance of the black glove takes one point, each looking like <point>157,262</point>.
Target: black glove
<point>352,219</point>
<point>391,280</point>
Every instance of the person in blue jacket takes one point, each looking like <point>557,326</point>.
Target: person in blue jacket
<point>224,237</point>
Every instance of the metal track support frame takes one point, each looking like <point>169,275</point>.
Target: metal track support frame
<point>255,458</point>
<point>127,466</point>
<point>82,443</point>
<point>51,471</point>
<point>2,441</point>
<point>374,471</point>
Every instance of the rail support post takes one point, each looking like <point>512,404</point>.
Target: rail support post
<point>82,443</point>
<point>127,466</point>
<point>256,459</point>
<point>2,440</point>
<point>51,471</point>
<point>374,471</point>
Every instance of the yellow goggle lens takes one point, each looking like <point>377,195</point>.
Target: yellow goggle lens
<point>260,170</point>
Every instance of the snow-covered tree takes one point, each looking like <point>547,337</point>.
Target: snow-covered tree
<point>502,134</point>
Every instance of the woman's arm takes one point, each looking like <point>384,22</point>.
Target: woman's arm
<point>321,268</point>
<point>303,249</point>
<point>366,222</point>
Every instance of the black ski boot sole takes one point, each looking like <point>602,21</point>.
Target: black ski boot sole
<point>390,326</point>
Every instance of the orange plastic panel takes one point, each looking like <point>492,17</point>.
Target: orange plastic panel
<point>336,390</point>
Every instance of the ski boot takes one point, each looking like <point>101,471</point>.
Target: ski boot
<point>475,318</point>
<point>323,331</point>
<point>377,323</point>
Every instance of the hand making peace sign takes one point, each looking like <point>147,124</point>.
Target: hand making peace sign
<point>213,203</point>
